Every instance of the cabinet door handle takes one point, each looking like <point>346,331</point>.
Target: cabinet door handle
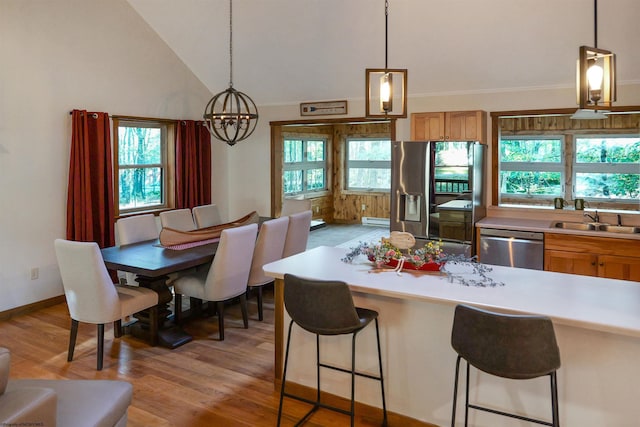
<point>601,264</point>
<point>593,263</point>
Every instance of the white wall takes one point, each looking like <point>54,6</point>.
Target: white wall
<point>99,55</point>
<point>249,168</point>
<point>57,56</point>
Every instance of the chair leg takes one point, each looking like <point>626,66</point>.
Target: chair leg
<point>100,346</point>
<point>177,309</point>
<point>384,404</point>
<point>466,406</point>
<point>220,309</point>
<point>72,339</point>
<point>284,374</point>
<point>455,392</point>
<point>260,316</point>
<point>353,378</point>
<point>117,328</point>
<point>243,308</point>
<point>153,325</point>
<point>554,399</point>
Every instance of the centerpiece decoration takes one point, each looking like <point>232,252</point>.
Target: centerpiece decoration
<point>396,252</point>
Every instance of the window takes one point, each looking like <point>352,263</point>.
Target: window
<point>531,167</point>
<point>607,167</point>
<point>141,166</point>
<point>452,167</point>
<point>305,166</point>
<point>603,169</point>
<point>368,165</point>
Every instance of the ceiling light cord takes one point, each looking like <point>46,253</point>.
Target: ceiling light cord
<point>595,23</point>
<point>230,43</point>
<point>386,32</point>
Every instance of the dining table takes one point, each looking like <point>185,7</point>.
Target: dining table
<point>152,263</point>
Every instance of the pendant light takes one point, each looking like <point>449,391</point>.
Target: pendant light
<point>386,88</point>
<point>596,79</point>
<point>231,116</point>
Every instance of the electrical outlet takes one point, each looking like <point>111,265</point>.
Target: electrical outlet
<point>364,207</point>
<point>35,272</point>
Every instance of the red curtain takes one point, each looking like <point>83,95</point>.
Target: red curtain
<point>90,210</point>
<point>193,164</point>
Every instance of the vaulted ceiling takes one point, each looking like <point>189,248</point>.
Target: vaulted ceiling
<point>289,51</point>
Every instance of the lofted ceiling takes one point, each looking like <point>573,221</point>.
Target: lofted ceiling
<point>289,51</point>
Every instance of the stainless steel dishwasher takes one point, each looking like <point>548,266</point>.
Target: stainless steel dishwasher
<point>511,248</point>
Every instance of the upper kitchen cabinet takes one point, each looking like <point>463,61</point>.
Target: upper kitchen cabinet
<point>449,126</point>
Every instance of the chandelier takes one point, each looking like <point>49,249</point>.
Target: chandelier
<point>231,116</point>
<point>596,79</point>
<point>386,85</point>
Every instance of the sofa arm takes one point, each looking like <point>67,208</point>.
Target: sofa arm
<point>5,363</point>
<point>28,406</point>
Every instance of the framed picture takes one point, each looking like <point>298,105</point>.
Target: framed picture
<point>323,108</point>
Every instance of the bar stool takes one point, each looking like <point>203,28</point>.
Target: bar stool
<point>326,308</point>
<point>508,346</point>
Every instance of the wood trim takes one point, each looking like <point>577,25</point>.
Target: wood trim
<point>551,111</point>
<point>329,121</point>
<point>30,308</point>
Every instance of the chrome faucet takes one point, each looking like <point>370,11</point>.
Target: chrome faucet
<point>595,217</point>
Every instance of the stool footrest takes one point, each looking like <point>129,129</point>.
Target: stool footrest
<point>348,371</point>
<point>507,414</point>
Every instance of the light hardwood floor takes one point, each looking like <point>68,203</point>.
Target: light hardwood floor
<point>203,383</point>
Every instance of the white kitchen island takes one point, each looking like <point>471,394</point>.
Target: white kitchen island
<point>597,323</point>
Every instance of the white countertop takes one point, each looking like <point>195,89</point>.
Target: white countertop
<point>593,303</point>
<point>545,226</point>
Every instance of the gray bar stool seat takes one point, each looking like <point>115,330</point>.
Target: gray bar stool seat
<point>327,308</point>
<point>509,346</point>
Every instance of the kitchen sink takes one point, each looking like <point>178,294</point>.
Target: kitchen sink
<point>624,229</point>
<point>589,226</point>
<point>576,226</point>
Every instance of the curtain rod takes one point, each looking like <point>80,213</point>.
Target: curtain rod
<point>95,116</point>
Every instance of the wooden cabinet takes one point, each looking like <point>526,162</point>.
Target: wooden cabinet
<point>592,256</point>
<point>449,126</point>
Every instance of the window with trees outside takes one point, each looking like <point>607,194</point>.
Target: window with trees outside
<point>305,166</point>
<point>141,165</point>
<point>368,164</point>
<point>603,169</point>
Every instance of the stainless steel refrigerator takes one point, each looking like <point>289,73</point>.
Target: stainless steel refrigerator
<point>437,191</point>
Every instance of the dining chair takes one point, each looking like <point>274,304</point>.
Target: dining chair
<point>206,216</point>
<point>93,298</point>
<point>134,229</point>
<point>514,346</point>
<point>297,233</point>
<point>326,308</point>
<point>269,248</point>
<point>293,206</point>
<point>226,278</point>
<point>178,219</point>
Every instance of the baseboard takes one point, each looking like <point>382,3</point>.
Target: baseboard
<point>379,222</point>
<point>29,308</point>
<point>371,413</point>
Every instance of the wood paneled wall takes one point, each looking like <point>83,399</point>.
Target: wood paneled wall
<point>336,204</point>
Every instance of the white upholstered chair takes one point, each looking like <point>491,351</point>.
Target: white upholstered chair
<point>269,248</point>
<point>134,229</point>
<point>293,206</point>
<point>226,278</point>
<point>62,403</point>
<point>93,298</point>
<point>178,219</point>
<point>297,233</point>
<point>206,216</point>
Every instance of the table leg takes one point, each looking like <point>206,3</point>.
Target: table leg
<point>169,334</point>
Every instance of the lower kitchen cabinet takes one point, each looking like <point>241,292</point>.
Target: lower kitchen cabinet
<point>592,256</point>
